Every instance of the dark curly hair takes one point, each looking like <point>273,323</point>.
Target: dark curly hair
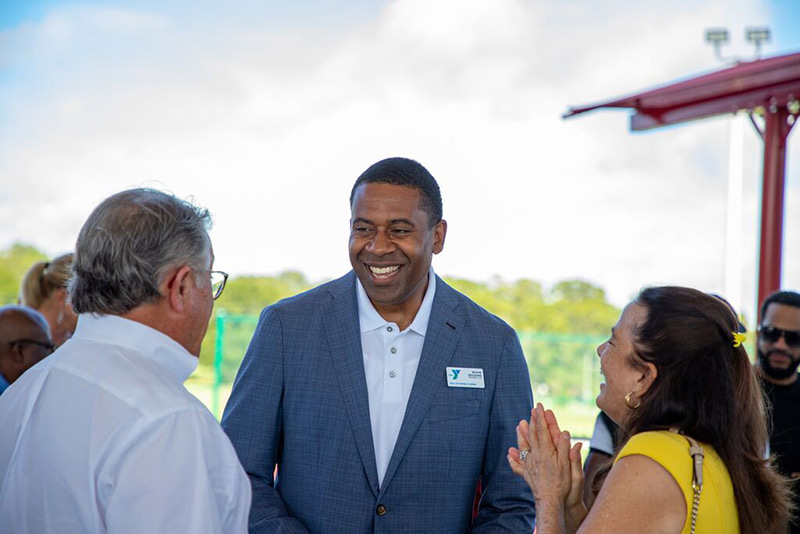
<point>788,298</point>
<point>408,173</point>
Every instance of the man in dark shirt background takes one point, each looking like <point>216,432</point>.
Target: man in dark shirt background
<point>778,350</point>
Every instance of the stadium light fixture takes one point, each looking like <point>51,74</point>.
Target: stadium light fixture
<point>717,37</point>
<point>756,37</point>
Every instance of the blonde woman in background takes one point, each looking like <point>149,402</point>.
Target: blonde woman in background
<point>44,288</point>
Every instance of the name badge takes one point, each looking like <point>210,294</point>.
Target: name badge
<point>462,377</point>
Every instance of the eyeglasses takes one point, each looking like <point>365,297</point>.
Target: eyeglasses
<point>218,279</point>
<point>772,334</point>
<point>46,345</point>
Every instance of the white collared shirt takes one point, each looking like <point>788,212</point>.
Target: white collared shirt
<point>101,436</point>
<point>391,358</point>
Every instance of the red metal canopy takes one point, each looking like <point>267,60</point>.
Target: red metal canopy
<point>747,86</point>
<point>769,88</point>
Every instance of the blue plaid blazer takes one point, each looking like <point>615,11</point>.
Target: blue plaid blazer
<point>300,402</point>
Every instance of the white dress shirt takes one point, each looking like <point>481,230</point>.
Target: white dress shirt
<point>391,358</point>
<point>101,436</point>
<point>602,440</point>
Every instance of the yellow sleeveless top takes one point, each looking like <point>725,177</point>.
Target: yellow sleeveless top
<point>717,510</point>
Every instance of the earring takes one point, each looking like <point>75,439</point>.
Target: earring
<point>60,318</point>
<point>628,401</point>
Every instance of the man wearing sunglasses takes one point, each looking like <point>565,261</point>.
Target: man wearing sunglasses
<point>778,358</point>
<point>102,436</point>
<point>24,342</point>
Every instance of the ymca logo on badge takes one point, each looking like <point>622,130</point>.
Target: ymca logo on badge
<point>463,377</point>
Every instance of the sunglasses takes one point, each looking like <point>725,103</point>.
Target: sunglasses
<point>772,334</point>
<point>48,347</point>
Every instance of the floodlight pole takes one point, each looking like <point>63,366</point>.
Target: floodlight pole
<point>768,88</point>
<point>776,131</point>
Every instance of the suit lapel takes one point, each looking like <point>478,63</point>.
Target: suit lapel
<point>441,339</point>
<point>344,339</point>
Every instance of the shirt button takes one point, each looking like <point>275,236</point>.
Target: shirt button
<point>393,350</point>
<point>389,328</point>
<point>392,374</point>
<point>381,509</point>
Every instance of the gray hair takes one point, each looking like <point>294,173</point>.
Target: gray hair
<point>129,244</point>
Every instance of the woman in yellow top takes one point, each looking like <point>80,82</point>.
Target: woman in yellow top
<point>675,372</point>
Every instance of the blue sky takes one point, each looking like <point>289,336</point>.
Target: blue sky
<point>267,111</point>
<point>297,13</point>
<point>784,20</point>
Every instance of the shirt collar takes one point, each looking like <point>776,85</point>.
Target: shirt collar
<point>145,341</point>
<point>369,319</point>
<point>3,383</point>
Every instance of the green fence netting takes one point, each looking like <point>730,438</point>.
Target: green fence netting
<point>564,367</point>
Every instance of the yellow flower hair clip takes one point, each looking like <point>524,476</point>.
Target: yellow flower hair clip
<point>738,339</point>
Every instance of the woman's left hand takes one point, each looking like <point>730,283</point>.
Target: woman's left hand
<point>552,469</point>
<point>523,428</point>
<point>547,469</point>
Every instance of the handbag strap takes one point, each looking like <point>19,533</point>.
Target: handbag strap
<point>696,452</point>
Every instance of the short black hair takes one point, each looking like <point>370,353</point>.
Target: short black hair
<point>408,173</point>
<point>789,298</point>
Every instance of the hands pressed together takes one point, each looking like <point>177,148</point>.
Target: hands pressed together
<point>553,471</point>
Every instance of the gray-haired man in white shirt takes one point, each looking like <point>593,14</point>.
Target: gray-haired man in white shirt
<point>102,436</point>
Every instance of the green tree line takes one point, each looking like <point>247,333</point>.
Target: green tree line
<point>575,312</point>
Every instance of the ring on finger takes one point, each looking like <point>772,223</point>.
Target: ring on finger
<point>523,453</point>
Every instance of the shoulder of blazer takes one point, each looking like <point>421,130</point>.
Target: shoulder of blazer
<point>321,294</point>
<point>470,311</point>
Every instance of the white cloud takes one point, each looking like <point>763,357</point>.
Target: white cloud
<point>270,128</point>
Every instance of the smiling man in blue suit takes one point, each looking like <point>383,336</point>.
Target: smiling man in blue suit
<point>385,396</point>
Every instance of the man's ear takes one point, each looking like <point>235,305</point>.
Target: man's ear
<point>439,234</point>
<point>647,378</point>
<point>177,288</point>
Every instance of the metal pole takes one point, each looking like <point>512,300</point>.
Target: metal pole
<point>218,360</point>
<point>733,235</point>
<point>776,130</point>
